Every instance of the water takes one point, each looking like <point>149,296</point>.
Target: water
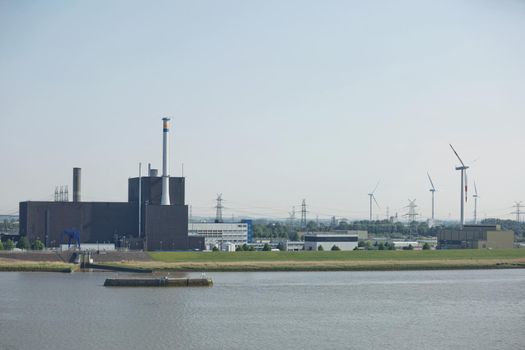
<point>480,309</point>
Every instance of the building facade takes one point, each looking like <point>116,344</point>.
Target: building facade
<point>327,240</point>
<point>215,234</point>
<point>476,237</point>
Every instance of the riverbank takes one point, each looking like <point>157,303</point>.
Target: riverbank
<point>333,261</point>
<point>35,266</point>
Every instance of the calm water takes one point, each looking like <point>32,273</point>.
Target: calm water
<point>482,309</point>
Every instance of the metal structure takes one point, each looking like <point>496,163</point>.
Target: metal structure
<point>476,196</point>
<point>463,168</point>
<point>303,215</point>
<point>165,198</point>
<point>371,195</point>
<point>219,206</point>
<point>412,214</point>
<point>518,211</point>
<point>292,218</point>
<point>140,199</point>
<point>432,190</point>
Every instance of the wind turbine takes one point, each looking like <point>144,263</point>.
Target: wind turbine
<point>475,203</point>
<point>433,189</point>
<point>463,168</point>
<point>371,195</point>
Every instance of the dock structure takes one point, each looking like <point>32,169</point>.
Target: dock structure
<point>158,282</point>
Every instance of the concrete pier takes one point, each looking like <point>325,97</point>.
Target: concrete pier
<point>158,282</point>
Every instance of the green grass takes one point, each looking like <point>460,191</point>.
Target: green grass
<point>456,254</point>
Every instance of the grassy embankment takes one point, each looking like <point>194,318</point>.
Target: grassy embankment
<point>335,260</point>
<point>35,266</point>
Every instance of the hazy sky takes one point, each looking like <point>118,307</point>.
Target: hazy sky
<point>271,102</point>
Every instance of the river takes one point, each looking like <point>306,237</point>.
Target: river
<point>457,309</point>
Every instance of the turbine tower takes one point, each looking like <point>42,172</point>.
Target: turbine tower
<point>463,168</point>
<point>432,190</point>
<point>371,195</point>
<point>475,203</point>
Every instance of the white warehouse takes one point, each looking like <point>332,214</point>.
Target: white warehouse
<point>215,234</point>
<point>328,240</point>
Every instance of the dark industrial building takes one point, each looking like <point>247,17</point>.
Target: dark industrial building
<point>163,227</point>
<point>476,237</point>
<point>163,218</point>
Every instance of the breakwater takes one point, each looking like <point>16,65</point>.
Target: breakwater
<point>158,282</point>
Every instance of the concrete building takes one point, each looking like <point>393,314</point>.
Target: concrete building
<point>328,240</point>
<point>477,237</point>
<point>293,246</point>
<point>215,234</point>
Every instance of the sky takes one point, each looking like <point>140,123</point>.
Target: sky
<point>272,102</point>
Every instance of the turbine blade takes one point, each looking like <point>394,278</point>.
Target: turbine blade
<point>466,187</point>
<point>456,153</point>
<point>475,188</point>
<point>375,188</point>
<point>431,183</point>
<point>376,201</point>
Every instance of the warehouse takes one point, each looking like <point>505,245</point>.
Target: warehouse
<point>327,241</point>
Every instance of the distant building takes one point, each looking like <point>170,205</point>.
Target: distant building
<point>215,234</point>
<point>476,237</point>
<point>293,246</point>
<point>328,240</point>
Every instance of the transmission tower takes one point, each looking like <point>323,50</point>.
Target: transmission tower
<point>218,215</point>
<point>411,215</point>
<point>292,218</point>
<point>518,211</point>
<point>303,214</point>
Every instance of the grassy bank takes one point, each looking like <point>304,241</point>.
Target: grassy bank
<point>334,261</point>
<point>34,266</point>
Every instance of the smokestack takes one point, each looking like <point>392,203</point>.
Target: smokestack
<point>165,198</point>
<point>76,184</point>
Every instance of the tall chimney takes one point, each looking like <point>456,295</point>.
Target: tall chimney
<point>76,184</point>
<point>165,198</point>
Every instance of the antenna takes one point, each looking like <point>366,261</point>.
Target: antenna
<point>411,215</point>
<point>463,168</point>
<point>371,195</point>
<point>218,215</point>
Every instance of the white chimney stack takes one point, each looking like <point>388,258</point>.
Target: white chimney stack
<point>165,198</point>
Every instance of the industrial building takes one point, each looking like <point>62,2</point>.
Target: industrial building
<point>327,240</point>
<point>477,237</point>
<point>155,217</point>
<point>216,234</point>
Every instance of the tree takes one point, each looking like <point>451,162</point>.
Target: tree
<point>23,243</point>
<point>38,245</point>
<point>410,247</point>
<point>245,247</point>
<point>238,248</point>
<point>1,246</point>
<point>334,247</point>
<point>381,246</point>
<point>214,249</point>
<point>9,245</point>
<point>361,244</point>
<point>320,248</point>
<point>266,247</point>
<point>426,246</point>
<point>281,246</point>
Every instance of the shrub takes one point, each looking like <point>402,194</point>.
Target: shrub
<point>214,249</point>
<point>334,247</point>
<point>381,246</point>
<point>426,246</point>
<point>38,245</point>
<point>23,243</point>
<point>1,246</point>
<point>320,248</point>
<point>266,247</point>
<point>9,245</point>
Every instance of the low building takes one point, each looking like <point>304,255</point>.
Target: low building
<point>328,240</point>
<point>215,234</point>
<point>476,237</point>
<point>406,244</point>
<point>293,246</point>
